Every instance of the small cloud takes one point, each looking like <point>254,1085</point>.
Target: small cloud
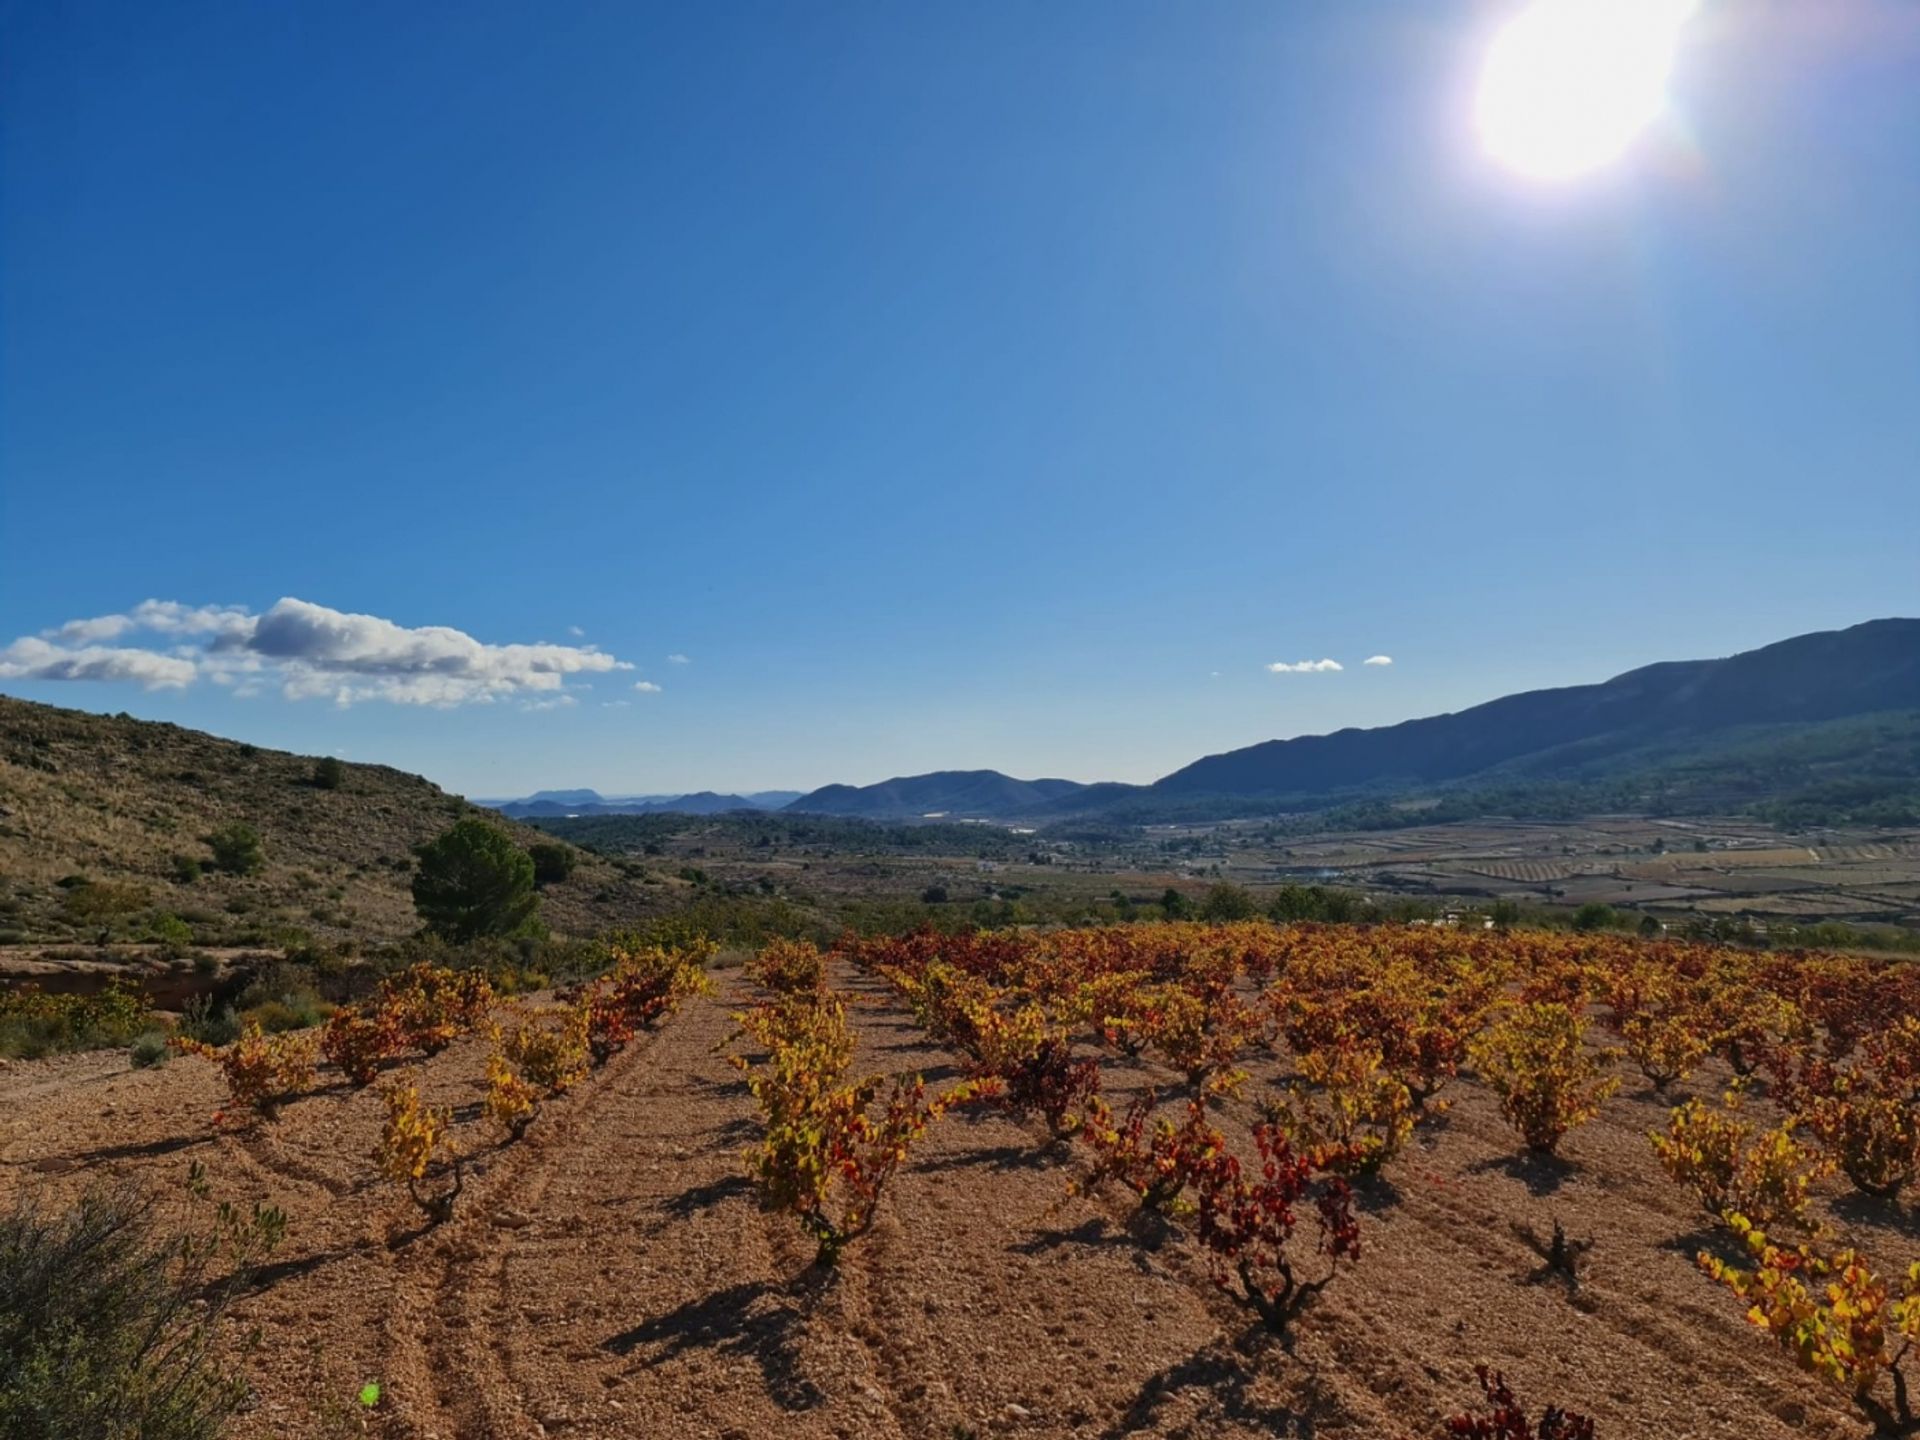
<point>615,704</point>
<point>312,651</point>
<point>557,702</point>
<point>646,687</point>
<point>678,659</point>
<point>1378,660</point>
<point>576,632</point>
<point>1304,667</point>
<point>1215,674</point>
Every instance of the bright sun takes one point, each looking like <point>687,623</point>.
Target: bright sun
<point>1568,84</point>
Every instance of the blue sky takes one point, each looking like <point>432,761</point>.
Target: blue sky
<point>990,385</point>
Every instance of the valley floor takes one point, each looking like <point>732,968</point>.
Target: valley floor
<point>612,1274</point>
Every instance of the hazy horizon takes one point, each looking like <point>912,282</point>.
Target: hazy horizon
<point>486,788</point>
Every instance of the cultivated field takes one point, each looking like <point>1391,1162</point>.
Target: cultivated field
<point>613,1273</point>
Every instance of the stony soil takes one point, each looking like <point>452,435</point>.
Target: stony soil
<point>612,1274</point>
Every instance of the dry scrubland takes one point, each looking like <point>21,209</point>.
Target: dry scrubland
<point>612,1272</point>
<point>113,801</point>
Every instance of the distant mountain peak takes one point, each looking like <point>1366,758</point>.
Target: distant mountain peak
<point>953,794</point>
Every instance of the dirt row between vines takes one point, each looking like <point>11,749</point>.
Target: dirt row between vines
<point>613,1275</point>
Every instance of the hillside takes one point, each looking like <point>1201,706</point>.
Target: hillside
<point>1549,734</point>
<point>94,809</point>
<point>953,794</point>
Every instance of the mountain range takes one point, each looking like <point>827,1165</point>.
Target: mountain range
<point>555,804</point>
<point>1806,716</point>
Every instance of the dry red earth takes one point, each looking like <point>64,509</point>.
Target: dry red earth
<point>612,1274</point>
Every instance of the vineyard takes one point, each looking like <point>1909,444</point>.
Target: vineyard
<point>1163,1179</point>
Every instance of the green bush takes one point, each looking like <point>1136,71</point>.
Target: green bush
<point>552,862</point>
<point>329,773</point>
<point>186,869</point>
<point>108,1328</point>
<point>283,997</point>
<point>236,848</point>
<point>1313,902</point>
<point>34,1024</point>
<point>1593,916</point>
<point>1228,902</point>
<point>95,901</point>
<point>209,1023</point>
<point>171,931</point>
<point>149,1050</point>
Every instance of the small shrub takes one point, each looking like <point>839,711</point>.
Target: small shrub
<point>824,1158</point>
<point>149,1050</point>
<point>1149,1154</point>
<point>1506,1419</point>
<point>261,1072</point>
<point>511,1101</point>
<point>790,967</point>
<point>171,932</point>
<point>236,849</point>
<point>413,1137</point>
<point>1345,1111</point>
<point>1835,1316</point>
<point>1593,916</point>
<point>110,1327</point>
<point>553,1057</point>
<point>1537,1061</point>
<point>1733,1167</point>
<point>186,870</point>
<point>1871,1131</point>
<point>34,1023</point>
<point>329,773</point>
<point>359,1043</point>
<point>553,862</point>
<point>101,902</point>
<point>208,1024</point>
<point>1246,1224</point>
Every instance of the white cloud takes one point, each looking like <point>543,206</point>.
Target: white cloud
<point>678,659</point>
<point>31,658</point>
<point>170,617</point>
<point>86,632</point>
<point>1378,660</point>
<point>558,702</point>
<point>314,652</point>
<point>1304,667</point>
<point>576,632</point>
<point>615,704</point>
<point>646,687</point>
<point>161,617</point>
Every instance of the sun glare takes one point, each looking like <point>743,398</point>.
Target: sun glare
<point>1569,84</point>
